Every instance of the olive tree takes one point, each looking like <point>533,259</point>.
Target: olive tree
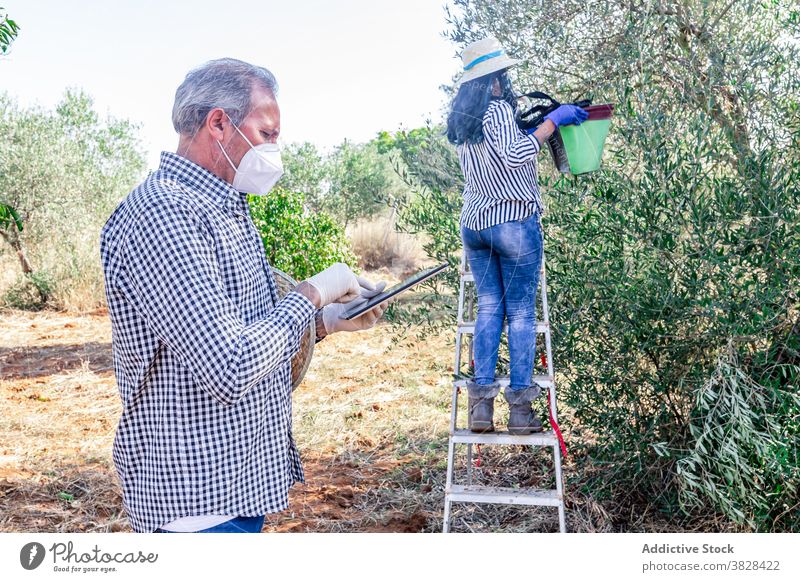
<point>360,182</point>
<point>305,170</point>
<point>674,271</point>
<point>63,173</point>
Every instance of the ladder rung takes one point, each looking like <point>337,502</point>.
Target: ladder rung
<point>469,327</point>
<point>543,381</point>
<point>506,495</point>
<point>466,436</point>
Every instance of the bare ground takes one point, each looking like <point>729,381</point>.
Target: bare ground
<point>370,420</point>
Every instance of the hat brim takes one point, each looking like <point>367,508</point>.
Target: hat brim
<point>487,67</point>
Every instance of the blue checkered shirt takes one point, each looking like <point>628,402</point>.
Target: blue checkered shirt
<point>202,352</point>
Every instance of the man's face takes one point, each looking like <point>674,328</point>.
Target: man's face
<point>262,125</point>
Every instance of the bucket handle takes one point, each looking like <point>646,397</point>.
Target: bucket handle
<point>533,117</point>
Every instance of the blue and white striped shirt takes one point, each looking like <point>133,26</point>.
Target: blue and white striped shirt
<point>500,173</point>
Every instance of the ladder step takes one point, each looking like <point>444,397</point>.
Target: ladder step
<point>504,495</point>
<point>487,494</point>
<point>469,327</point>
<point>543,381</point>
<point>466,436</point>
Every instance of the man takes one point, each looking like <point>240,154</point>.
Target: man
<point>202,345</point>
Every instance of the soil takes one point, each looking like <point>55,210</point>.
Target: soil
<point>58,412</point>
<point>331,494</point>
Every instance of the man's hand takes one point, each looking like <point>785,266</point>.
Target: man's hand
<point>333,322</point>
<point>336,284</point>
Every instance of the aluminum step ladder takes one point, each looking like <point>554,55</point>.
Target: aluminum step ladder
<point>472,493</point>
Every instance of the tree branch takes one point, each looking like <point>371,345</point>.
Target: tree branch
<point>721,15</point>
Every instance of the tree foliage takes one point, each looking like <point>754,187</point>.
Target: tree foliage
<point>674,272</point>
<point>9,217</point>
<point>429,166</point>
<point>298,242</point>
<point>427,163</point>
<point>305,171</point>
<point>63,173</point>
<point>9,30</point>
<point>361,182</point>
<point>353,182</point>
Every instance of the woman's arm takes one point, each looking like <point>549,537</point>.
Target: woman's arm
<point>544,131</point>
<point>563,115</point>
<point>500,130</point>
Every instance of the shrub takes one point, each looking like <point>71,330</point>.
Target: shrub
<point>32,291</point>
<point>298,242</point>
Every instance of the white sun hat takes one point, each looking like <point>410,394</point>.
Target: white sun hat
<point>483,57</point>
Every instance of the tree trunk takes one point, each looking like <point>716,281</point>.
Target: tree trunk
<point>16,244</point>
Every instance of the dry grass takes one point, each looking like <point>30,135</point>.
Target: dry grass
<point>9,267</point>
<point>78,288</point>
<point>371,421</point>
<point>379,246</point>
<point>58,405</point>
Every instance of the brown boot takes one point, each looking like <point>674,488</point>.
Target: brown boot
<point>481,406</point>
<point>523,420</point>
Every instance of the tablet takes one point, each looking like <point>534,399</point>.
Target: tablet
<point>389,293</point>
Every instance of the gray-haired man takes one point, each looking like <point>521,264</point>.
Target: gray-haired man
<point>202,345</point>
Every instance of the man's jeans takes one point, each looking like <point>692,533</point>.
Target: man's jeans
<point>235,525</point>
<point>505,260</point>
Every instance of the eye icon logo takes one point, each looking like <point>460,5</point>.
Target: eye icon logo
<point>31,555</point>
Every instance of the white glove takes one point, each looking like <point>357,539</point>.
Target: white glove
<point>338,284</point>
<point>377,288</point>
<point>366,295</point>
<point>331,317</point>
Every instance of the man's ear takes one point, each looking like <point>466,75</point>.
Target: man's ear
<point>215,123</point>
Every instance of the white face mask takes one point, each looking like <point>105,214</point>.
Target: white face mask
<point>259,169</point>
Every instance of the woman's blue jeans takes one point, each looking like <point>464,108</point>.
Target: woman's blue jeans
<point>505,260</point>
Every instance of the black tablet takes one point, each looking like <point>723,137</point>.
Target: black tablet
<point>399,288</point>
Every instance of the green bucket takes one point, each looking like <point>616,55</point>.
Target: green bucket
<point>583,144</point>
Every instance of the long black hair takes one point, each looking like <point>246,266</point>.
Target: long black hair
<point>465,121</point>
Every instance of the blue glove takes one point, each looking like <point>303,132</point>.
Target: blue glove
<point>567,115</point>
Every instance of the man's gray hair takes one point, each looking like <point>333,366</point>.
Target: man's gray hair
<point>225,83</point>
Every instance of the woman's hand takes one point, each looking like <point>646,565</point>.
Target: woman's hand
<point>567,115</point>
<point>563,115</point>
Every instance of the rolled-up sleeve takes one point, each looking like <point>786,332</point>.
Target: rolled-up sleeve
<point>172,278</point>
<point>500,130</point>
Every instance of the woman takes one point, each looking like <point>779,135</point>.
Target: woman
<point>500,227</point>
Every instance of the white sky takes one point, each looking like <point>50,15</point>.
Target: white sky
<point>346,68</point>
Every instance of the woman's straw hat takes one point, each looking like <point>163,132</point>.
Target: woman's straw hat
<point>483,57</point>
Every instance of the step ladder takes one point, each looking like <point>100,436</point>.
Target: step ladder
<point>472,493</point>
